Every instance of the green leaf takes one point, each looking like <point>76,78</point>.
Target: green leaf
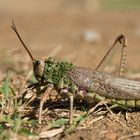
<point>58,123</point>
<point>5,86</point>
<point>76,121</point>
<point>33,123</point>
<point>25,131</point>
<point>16,121</point>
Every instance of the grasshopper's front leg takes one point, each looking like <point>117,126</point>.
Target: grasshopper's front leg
<point>43,99</point>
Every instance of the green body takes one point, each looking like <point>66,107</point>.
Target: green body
<point>58,73</point>
<point>55,72</point>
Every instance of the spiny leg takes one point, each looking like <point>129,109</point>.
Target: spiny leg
<point>122,66</point>
<point>108,55</point>
<point>122,41</point>
<point>42,101</point>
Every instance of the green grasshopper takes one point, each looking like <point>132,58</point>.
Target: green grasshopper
<point>82,83</point>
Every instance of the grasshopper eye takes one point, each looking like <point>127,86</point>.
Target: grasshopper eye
<point>37,62</point>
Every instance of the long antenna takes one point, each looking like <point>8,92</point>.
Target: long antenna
<point>15,30</point>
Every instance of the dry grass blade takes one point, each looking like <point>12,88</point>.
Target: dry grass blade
<point>24,82</point>
<point>51,133</point>
<point>97,105</point>
<point>137,134</point>
<point>87,116</point>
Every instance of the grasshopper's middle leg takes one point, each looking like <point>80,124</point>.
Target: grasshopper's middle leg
<point>66,94</point>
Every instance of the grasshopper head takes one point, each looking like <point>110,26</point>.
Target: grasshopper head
<point>38,68</point>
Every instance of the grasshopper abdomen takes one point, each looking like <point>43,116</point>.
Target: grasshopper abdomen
<point>116,89</point>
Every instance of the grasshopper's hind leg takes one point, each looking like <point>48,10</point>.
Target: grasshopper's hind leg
<point>122,66</point>
<point>121,40</point>
<point>43,100</point>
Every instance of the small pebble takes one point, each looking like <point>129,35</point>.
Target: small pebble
<point>91,36</point>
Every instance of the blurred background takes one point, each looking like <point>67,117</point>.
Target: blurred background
<point>80,31</point>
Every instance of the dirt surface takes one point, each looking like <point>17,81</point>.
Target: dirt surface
<point>62,35</point>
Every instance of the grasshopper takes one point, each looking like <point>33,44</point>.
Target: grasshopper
<point>83,83</point>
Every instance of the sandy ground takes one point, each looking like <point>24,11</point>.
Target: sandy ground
<point>62,35</point>
<point>44,33</point>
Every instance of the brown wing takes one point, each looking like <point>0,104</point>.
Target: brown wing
<point>105,84</point>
